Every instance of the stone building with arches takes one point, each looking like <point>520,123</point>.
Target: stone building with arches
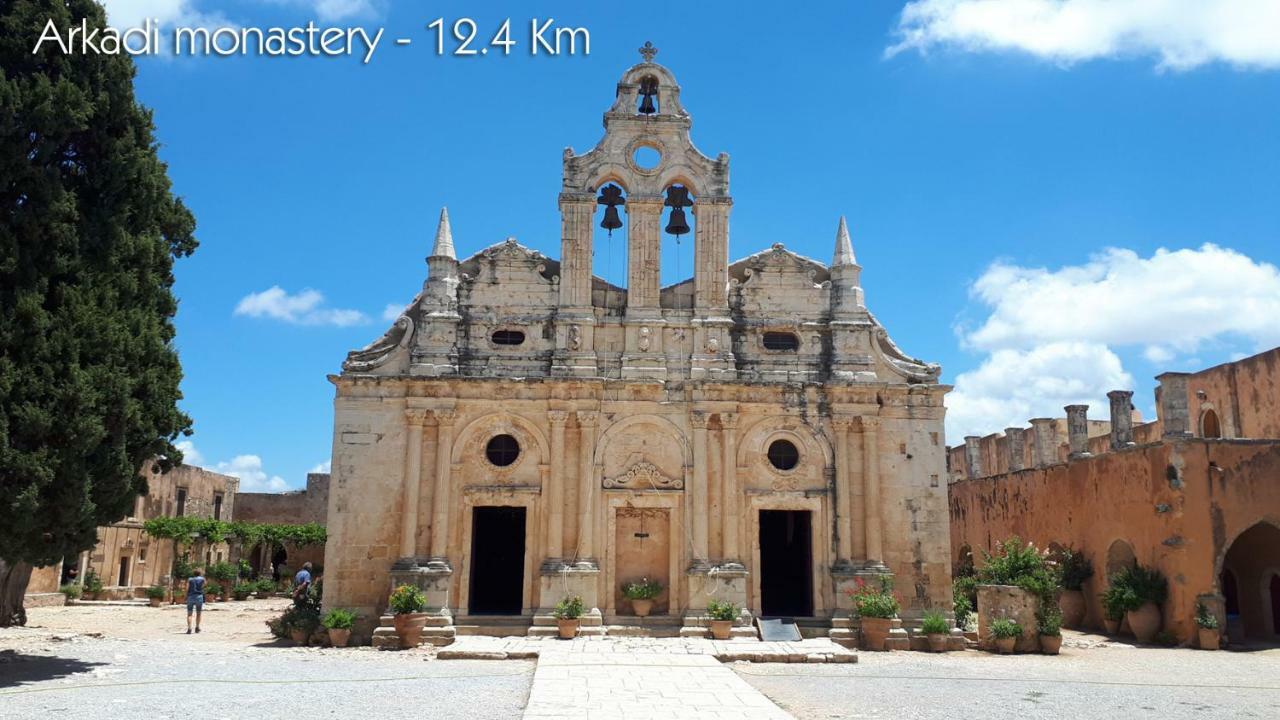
<point>527,431</point>
<point>1195,493</point>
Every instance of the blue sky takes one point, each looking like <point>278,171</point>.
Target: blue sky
<point>1010,182</point>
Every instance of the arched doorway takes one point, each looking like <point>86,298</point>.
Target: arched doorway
<point>1250,581</point>
<point>1120,556</point>
<point>1209,425</point>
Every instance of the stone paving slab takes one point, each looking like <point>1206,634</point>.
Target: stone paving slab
<point>576,684</point>
<point>481,647</point>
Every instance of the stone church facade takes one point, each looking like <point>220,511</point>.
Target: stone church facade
<point>527,431</point>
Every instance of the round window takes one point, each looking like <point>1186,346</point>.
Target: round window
<point>783,454</point>
<point>502,450</point>
<point>647,158</point>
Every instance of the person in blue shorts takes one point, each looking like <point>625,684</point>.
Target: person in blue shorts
<point>195,599</point>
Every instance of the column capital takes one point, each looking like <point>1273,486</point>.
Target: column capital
<point>416,416</point>
<point>843,422</point>
<point>868,423</point>
<point>637,199</point>
<point>728,420</point>
<point>444,417</point>
<point>698,419</point>
<point>587,418</point>
<point>557,417</point>
<point>584,198</point>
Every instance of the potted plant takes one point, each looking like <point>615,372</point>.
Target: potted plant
<point>1049,624</point>
<point>876,608</point>
<point>155,595</point>
<point>212,590</point>
<point>225,574</point>
<point>92,584</point>
<point>722,614</point>
<point>242,590</point>
<point>935,627</point>
<point>1113,609</point>
<point>266,587</point>
<point>1140,592</point>
<point>567,612</point>
<point>1005,633</point>
<point>339,621</point>
<point>408,603</point>
<point>1073,570</point>
<point>1207,622</point>
<point>641,594</point>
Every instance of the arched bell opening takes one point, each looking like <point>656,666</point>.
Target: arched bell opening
<point>647,102</point>
<point>679,230</point>
<point>609,239</point>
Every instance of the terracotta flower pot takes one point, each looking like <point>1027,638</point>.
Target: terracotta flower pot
<point>409,628</point>
<point>1071,603</point>
<point>568,628</point>
<point>720,629</point>
<point>1112,626</point>
<point>874,632</point>
<point>1210,638</point>
<point>1050,644</point>
<point>1145,622</point>
<point>1005,645</point>
<point>298,636</point>
<point>264,594</point>
<point>642,606</point>
<point>155,602</point>
<point>937,642</point>
<point>338,637</point>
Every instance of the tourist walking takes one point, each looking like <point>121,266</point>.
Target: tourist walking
<point>195,599</point>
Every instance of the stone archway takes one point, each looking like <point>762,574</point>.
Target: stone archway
<point>1120,555</point>
<point>1210,427</point>
<point>1253,560</point>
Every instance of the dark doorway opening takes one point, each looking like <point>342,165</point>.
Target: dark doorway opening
<point>786,581</point>
<point>497,561</point>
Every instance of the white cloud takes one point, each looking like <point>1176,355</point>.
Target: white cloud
<point>252,477</point>
<point>305,308</point>
<point>1175,299</point>
<point>190,455</point>
<point>1052,335</point>
<point>1012,386</point>
<point>167,13</point>
<point>323,467</point>
<point>392,311</point>
<point>1182,33</point>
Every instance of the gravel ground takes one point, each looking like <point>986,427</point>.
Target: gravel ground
<point>141,664</point>
<point>1104,680</point>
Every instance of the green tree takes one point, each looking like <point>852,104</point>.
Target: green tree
<point>88,372</point>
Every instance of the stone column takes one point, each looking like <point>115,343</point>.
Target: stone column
<point>1078,431</point>
<point>697,491</point>
<point>871,491</point>
<point>644,238</point>
<point>1046,447</point>
<point>586,488</point>
<point>844,492</point>
<point>554,492</point>
<point>412,482</point>
<point>576,213</point>
<point>711,254</point>
<point>1121,418</point>
<point>1175,411</point>
<point>973,456</point>
<point>730,493</point>
<point>441,501</point>
<point>1015,439</point>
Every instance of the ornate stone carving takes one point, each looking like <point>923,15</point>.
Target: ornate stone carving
<point>444,417</point>
<point>416,416</point>
<point>557,417</point>
<point>378,352</point>
<point>587,418</point>
<point>645,339</point>
<point>575,337</point>
<point>644,476</point>
<point>713,345</point>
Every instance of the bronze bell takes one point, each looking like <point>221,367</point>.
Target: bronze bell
<point>646,105</point>
<point>678,225</point>
<point>678,200</point>
<point>648,88</point>
<point>611,198</point>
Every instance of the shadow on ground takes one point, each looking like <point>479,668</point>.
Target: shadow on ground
<point>20,669</point>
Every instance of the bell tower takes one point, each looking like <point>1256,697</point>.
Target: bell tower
<point>646,118</point>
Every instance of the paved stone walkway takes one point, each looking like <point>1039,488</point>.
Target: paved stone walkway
<point>586,685</point>
<point>480,647</point>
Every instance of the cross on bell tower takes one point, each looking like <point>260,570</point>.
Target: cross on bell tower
<point>648,51</point>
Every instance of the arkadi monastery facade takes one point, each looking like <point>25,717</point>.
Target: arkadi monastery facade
<point>527,431</point>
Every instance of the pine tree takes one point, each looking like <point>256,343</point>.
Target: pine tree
<point>89,375</point>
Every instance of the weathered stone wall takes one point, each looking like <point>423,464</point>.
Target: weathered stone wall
<point>309,505</point>
<point>1245,396</point>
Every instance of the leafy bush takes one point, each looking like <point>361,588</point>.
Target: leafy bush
<point>408,599</point>
<point>1205,618</point>
<point>265,585</point>
<point>1049,621</point>
<point>1023,565</point>
<point>1114,601</point>
<point>870,601</point>
<point>183,567</point>
<point>964,590</point>
<point>303,615</point>
<point>934,623</point>
<point>213,587</point>
<point>339,619</point>
<point>242,590</point>
<point>1073,568</point>
<point>223,572</point>
<point>71,590</point>
<point>157,592</point>
<point>1005,628</point>
<point>723,610</point>
<point>244,570</point>
<point>645,589</point>
<point>569,608</point>
<point>92,583</point>
<point>1136,586</point>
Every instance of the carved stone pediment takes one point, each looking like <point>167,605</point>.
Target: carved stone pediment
<point>778,265</point>
<point>644,476</point>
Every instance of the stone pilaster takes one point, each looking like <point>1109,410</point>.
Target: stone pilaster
<point>586,548</point>
<point>731,493</point>
<point>554,494</point>
<point>1078,431</point>
<point>414,420</point>
<point>441,500</point>
<point>711,251</point>
<point>696,491</point>
<point>1046,447</point>
<point>844,494</point>
<point>1175,405</point>
<point>575,321</point>
<point>644,258</point>
<point>1015,443</point>
<point>1121,419</point>
<point>871,492</point>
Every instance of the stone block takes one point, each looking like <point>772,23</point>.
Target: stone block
<point>1014,603</point>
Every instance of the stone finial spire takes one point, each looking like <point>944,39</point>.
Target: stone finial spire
<point>844,246</point>
<point>444,238</point>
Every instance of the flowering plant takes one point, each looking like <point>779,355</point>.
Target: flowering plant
<point>874,601</point>
<point>644,589</point>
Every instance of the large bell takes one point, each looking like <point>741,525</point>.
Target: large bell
<point>678,225</point>
<point>611,220</point>
<point>611,198</point>
<point>646,105</point>
<point>648,88</point>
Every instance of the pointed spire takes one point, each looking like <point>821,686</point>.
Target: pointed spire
<point>444,238</point>
<point>844,246</point>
